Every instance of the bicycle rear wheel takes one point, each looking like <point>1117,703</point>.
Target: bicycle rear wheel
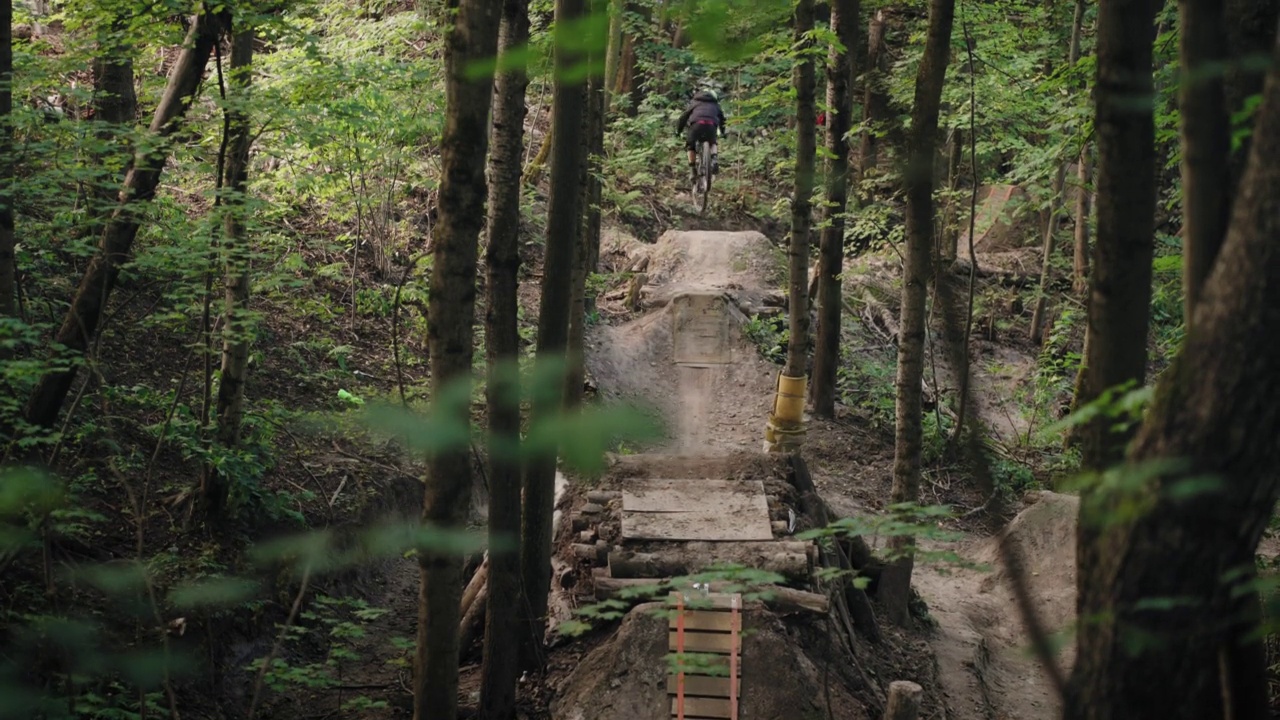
<point>702,183</point>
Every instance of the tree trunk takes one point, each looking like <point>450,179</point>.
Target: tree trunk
<point>1080,261</point>
<point>1250,31</point>
<point>8,268</point>
<point>473,38</point>
<point>1206,144</point>
<point>501,668</point>
<point>114,98</point>
<point>1214,416</point>
<point>80,322</point>
<point>904,700</point>
<point>237,327</point>
<point>952,213</point>
<point>826,356</point>
<point>563,223</point>
<point>801,202</point>
<point>1121,285</point>
<point>895,582</point>
<point>1055,199</point>
<point>875,102</point>
<point>613,50</point>
<point>587,249</point>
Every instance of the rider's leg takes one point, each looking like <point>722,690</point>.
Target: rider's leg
<point>715,157</point>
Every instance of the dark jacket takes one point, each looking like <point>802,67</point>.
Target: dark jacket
<point>703,108</point>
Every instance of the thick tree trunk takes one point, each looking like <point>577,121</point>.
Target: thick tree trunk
<point>1206,144</point>
<point>1084,209</point>
<point>801,203</point>
<point>895,581</point>
<point>501,668</point>
<point>1055,200</point>
<point>1172,576</point>
<point>472,38</point>
<point>1121,285</point>
<point>564,220</point>
<point>237,328</point>
<point>8,268</point>
<point>875,101</point>
<point>826,356</point>
<point>80,322</point>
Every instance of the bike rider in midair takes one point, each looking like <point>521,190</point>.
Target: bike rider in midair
<point>702,121</point>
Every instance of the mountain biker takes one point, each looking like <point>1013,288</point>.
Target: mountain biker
<point>700,122</point>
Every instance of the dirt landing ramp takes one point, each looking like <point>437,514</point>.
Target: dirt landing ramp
<point>688,354</point>
<point>983,659</point>
<point>626,678</point>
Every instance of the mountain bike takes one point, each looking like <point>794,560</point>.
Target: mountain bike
<point>702,178</point>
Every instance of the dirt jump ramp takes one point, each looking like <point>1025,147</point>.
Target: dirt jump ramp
<point>688,356</point>
<point>704,499</point>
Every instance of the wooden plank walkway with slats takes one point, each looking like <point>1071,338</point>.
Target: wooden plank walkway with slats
<point>715,510</point>
<point>705,633</point>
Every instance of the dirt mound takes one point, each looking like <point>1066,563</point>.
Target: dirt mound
<point>626,679</point>
<point>981,642</point>
<point>701,287</point>
<point>1044,536</point>
<point>1003,221</point>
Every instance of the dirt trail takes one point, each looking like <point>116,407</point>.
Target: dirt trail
<point>981,642</point>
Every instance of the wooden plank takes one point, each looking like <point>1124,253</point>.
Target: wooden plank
<point>703,642</point>
<point>698,601</point>
<point>709,497</point>
<point>695,526</point>
<point>696,707</point>
<point>702,685</point>
<point>700,329</point>
<point>703,665</point>
<point>707,620</point>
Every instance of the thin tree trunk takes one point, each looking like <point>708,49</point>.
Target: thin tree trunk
<point>895,581</point>
<point>1206,144</point>
<point>1055,200</point>
<point>586,249</point>
<point>826,356</point>
<point>1080,261</point>
<point>952,214</point>
<point>613,51</point>
<point>801,203</point>
<point>1121,285</point>
<point>1172,576</point>
<point>875,103</point>
<point>8,268</point>
<point>472,38</point>
<point>563,224</point>
<point>80,322</point>
<point>238,329</point>
<point>1251,27</point>
<point>501,668</point>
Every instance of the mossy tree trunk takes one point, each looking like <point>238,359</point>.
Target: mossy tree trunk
<point>501,668</point>
<point>801,203</point>
<point>237,251</point>
<point>564,222</point>
<point>471,38</point>
<point>895,582</point>
<point>826,356</point>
